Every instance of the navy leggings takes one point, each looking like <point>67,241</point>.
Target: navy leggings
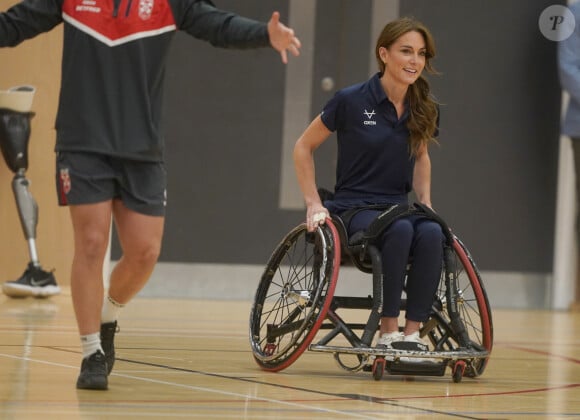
<point>416,237</point>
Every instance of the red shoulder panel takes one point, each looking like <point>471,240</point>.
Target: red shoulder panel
<point>133,19</point>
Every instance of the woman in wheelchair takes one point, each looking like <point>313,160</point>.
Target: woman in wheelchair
<point>384,127</point>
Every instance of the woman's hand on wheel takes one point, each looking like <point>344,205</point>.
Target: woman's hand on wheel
<point>315,216</point>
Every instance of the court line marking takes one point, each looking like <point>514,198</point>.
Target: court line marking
<point>379,400</point>
<point>202,389</point>
<point>354,397</point>
<point>357,397</point>
<point>544,353</point>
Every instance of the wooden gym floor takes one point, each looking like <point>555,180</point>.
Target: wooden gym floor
<point>192,359</point>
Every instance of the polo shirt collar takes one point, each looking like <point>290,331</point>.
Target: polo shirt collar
<point>377,89</point>
<point>380,95</point>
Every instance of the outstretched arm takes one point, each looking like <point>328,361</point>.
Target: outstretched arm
<point>27,19</point>
<point>282,38</point>
<point>221,28</point>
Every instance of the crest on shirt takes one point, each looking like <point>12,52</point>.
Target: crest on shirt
<point>369,115</point>
<point>140,19</point>
<point>65,183</point>
<point>145,9</point>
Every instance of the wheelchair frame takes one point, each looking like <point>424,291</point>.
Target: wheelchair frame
<point>295,300</point>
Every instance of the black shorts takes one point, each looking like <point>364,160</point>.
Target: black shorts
<point>88,178</point>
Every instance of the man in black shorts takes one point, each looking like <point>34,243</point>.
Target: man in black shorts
<point>109,146</point>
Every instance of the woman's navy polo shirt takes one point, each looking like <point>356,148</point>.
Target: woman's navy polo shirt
<point>374,161</point>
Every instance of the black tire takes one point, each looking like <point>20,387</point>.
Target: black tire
<point>458,370</point>
<point>473,307</point>
<point>294,295</point>
<point>378,368</point>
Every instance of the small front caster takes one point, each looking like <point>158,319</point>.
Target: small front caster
<point>379,368</point>
<point>458,371</point>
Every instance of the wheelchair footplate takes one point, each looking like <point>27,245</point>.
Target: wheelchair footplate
<point>406,362</point>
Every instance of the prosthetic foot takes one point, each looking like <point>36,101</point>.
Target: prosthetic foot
<point>15,119</point>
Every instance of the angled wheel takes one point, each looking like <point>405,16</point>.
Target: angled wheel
<point>473,307</point>
<point>294,295</point>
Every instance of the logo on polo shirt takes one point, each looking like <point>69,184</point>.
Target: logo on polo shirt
<point>369,115</point>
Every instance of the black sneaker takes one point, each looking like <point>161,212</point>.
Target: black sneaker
<point>108,331</point>
<point>93,372</point>
<point>34,282</point>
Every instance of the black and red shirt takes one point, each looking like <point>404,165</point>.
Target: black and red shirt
<point>113,64</point>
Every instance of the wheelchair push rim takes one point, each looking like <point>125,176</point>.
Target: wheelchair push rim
<point>474,311</point>
<point>484,337</point>
<point>294,295</point>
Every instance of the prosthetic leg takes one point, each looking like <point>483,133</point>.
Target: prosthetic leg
<point>14,136</point>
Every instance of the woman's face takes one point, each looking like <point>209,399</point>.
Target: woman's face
<point>405,58</point>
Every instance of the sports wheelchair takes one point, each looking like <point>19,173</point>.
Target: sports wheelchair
<point>295,300</point>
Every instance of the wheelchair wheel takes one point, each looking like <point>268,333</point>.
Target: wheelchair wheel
<point>294,295</point>
<point>474,311</point>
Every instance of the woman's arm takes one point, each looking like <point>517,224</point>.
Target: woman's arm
<point>422,177</point>
<point>309,141</point>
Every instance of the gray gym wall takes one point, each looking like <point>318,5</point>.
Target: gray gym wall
<point>232,116</point>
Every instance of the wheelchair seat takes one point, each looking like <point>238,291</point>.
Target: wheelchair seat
<point>352,249</point>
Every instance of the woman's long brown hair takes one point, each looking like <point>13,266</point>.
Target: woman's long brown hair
<point>422,122</point>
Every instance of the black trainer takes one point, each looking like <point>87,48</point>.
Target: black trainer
<point>34,282</point>
<point>108,330</point>
<point>93,372</point>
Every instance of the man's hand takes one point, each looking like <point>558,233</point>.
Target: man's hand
<point>282,38</point>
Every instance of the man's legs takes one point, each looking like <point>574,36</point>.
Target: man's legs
<point>99,188</point>
<point>140,236</point>
<point>91,224</point>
